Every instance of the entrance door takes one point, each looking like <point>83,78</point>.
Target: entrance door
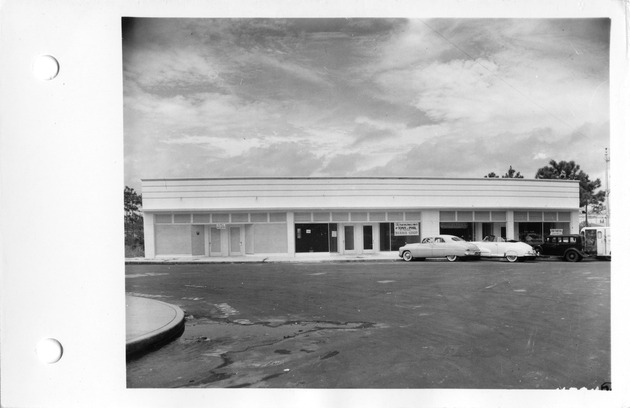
<point>348,240</point>
<point>358,239</point>
<point>368,238</point>
<point>215,242</point>
<point>235,241</point>
<point>198,238</point>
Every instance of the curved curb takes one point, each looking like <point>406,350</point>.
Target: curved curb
<point>169,325</point>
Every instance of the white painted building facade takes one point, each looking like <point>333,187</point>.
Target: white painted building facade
<point>240,216</point>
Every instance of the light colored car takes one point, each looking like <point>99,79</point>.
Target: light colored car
<point>498,247</point>
<point>449,246</point>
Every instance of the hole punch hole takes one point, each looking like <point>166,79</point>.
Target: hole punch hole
<point>49,351</point>
<point>45,67</point>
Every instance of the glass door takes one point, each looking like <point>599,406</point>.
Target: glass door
<point>348,242</point>
<point>215,242</point>
<point>235,241</point>
<point>368,239</point>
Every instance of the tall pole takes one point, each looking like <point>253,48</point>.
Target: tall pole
<point>607,191</point>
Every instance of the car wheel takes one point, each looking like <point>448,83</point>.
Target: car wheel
<point>407,257</point>
<point>572,256</point>
<point>452,258</point>
<point>511,258</point>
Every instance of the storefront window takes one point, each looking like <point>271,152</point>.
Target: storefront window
<point>463,230</point>
<point>536,232</point>
<point>555,228</point>
<point>393,235</point>
<point>311,238</point>
<point>530,232</point>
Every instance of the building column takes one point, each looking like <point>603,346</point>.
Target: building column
<point>290,233</point>
<point>574,227</point>
<point>430,224</point>
<point>509,224</point>
<point>478,231</point>
<point>149,235</point>
<point>206,240</point>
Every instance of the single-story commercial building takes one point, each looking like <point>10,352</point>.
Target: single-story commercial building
<point>345,215</point>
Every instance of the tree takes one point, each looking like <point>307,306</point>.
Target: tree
<point>569,170</point>
<point>511,173</point>
<point>134,224</point>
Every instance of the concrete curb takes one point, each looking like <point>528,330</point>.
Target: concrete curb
<point>184,262</point>
<point>271,260</point>
<point>277,260</point>
<point>166,324</point>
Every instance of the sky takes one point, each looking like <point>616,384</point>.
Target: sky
<point>363,97</point>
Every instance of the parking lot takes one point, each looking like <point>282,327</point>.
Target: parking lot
<point>432,324</point>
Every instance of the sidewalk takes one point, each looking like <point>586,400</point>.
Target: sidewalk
<point>260,258</point>
<point>151,324</point>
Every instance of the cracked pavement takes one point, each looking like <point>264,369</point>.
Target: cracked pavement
<point>539,325</point>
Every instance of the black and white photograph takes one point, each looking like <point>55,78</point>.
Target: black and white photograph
<point>367,203</point>
<point>280,203</point>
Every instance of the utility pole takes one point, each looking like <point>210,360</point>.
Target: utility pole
<point>607,190</point>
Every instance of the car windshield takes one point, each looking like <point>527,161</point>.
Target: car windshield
<point>456,239</point>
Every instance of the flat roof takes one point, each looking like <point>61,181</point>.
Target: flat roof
<point>356,178</point>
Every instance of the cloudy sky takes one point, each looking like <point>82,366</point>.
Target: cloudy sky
<point>363,97</point>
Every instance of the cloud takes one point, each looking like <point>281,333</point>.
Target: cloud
<point>368,131</point>
<point>498,74</point>
<point>342,164</point>
<point>280,159</point>
<point>441,97</point>
<point>171,68</point>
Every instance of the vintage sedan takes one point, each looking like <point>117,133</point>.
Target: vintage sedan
<point>497,247</point>
<point>448,246</point>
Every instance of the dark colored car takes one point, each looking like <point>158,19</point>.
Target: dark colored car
<point>569,247</point>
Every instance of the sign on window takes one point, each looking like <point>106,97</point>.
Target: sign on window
<point>220,226</point>
<point>406,229</point>
<point>555,231</point>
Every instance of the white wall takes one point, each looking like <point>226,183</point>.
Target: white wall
<point>575,222</point>
<point>269,238</point>
<point>357,193</point>
<point>149,235</point>
<point>430,224</point>
<point>173,239</point>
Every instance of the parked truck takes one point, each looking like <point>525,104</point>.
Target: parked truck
<point>596,241</point>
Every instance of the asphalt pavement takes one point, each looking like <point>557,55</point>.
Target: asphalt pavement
<point>434,324</point>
